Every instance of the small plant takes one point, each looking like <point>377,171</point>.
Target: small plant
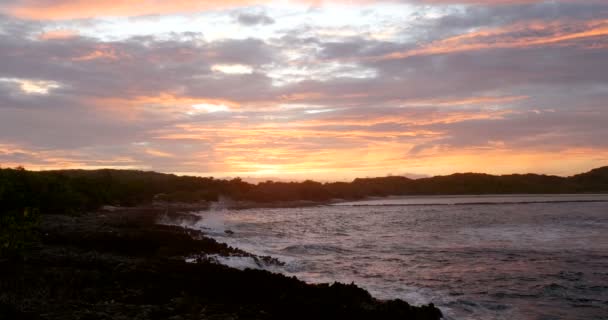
<point>17,231</point>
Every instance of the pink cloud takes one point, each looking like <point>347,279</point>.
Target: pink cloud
<point>82,9</point>
<point>521,35</point>
<point>58,34</point>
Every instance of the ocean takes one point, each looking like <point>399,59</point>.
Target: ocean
<point>536,257</point>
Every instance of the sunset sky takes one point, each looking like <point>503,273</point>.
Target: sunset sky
<point>327,90</point>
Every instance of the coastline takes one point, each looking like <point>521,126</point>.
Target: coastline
<point>122,264</point>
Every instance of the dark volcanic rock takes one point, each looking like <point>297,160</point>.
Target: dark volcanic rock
<point>121,265</point>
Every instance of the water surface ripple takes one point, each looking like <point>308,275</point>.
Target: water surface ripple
<point>518,257</point>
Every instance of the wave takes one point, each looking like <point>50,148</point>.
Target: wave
<point>465,203</point>
<point>314,249</point>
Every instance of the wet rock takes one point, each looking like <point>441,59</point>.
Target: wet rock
<point>122,265</point>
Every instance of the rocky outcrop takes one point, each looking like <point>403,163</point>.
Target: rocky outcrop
<point>121,265</point>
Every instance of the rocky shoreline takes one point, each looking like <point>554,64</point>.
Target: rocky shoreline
<point>121,264</point>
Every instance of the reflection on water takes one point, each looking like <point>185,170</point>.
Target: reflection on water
<point>513,260</point>
<point>479,199</point>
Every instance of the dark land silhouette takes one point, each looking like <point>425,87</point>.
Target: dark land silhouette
<point>62,257</point>
<point>80,190</point>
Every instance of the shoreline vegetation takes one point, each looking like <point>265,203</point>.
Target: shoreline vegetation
<point>63,257</point>
<point>68,191</point>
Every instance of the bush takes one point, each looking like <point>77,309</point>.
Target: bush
<point>17,231</point>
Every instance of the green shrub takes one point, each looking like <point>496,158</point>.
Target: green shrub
<point>17,231</point>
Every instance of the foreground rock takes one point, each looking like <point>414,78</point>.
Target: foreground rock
<point>122,265</point>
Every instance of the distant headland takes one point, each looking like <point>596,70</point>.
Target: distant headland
<point>81,190</point>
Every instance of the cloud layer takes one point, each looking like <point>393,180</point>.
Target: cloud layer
<point>296,91</point>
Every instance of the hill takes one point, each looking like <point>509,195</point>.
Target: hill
<point>80,190</point>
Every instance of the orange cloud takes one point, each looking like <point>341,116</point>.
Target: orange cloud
<point>158,153</point>
<point>501,160</point>
<point>8,149</point>
<point>60,159</point>
<point>463,101</point>
<point>411,118</point>
<point>321,147</point>
<point>287,156</point>
<point>166,103</point>
<point>523,35</point>
<point>58,34</point>
<point>246,136</point>
<point>82,9</point>
<point>108,54</point>
<point>170,99</point>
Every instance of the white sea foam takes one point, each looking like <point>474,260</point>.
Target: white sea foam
<point>209,222</point>
<point>238,262</point>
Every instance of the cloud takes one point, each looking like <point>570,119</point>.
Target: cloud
<point>28,86</point>
<point>60,34</point>
<point>546,130</point>
<point>137,67</point>
<point>493,2</point>
<point>253,19</point>
<point>83,9</point>
<point>514,36</point>
<point>513,84</point>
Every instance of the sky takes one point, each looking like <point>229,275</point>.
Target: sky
<point>323,90</point>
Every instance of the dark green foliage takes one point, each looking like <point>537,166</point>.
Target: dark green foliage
<point>595,180</point>
<point>73,191</point>
<point>17,231</point>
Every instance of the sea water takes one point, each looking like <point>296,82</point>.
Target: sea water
<point>476,257</point>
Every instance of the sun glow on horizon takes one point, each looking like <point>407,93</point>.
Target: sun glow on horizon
<point>328,90</point>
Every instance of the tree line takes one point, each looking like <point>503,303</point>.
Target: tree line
<point>65,191</point>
